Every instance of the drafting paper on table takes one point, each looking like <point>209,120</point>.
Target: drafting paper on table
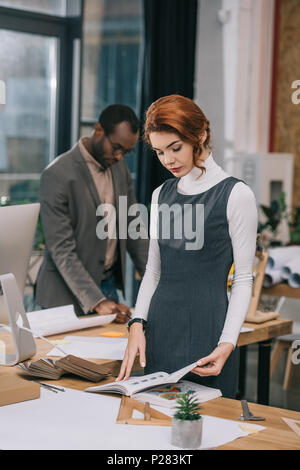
<point>54,321</point>
<point>54,426</point>
<point>93,347</point>
<point>166,395</point>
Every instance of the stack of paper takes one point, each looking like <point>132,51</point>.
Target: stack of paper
<point>44,368</point>
<point>48,369</point>
<point>86,369</point>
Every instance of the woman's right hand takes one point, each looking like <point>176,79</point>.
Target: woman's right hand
<point>136,345</point>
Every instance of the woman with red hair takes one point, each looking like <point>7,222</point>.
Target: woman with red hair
<point>183,314</point>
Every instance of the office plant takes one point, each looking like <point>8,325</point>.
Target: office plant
<point>187,423</point>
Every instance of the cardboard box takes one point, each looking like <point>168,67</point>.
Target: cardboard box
<point>14,390</point>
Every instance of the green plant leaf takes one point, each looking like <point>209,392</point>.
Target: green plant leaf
<point>187,407</point>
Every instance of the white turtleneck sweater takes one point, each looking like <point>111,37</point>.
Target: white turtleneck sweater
<point>242,220</point>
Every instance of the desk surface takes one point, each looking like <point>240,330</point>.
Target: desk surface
<point>282,290</point>
<point>277,435</point>
<point>264,331</point>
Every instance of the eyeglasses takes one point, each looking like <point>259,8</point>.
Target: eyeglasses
<point>116,150</point>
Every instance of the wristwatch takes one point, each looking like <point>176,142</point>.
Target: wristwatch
<point>137,320</point>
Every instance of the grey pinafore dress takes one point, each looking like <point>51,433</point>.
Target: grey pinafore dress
<point>188,308</point>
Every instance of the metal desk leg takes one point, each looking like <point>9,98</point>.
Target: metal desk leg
<point>242,373</point>
<point>263,377</point>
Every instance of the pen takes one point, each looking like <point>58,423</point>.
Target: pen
<point>52,387</point>
<point>47,388</point>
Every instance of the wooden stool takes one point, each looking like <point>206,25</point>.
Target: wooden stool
<point>254,315</point>
<point>283,343</point>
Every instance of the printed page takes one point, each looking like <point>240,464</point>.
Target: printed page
<point>140,383</point>
<point>132,385</point>
<point>167,394</point>
<point>136,384</point>
<point>176,376</point>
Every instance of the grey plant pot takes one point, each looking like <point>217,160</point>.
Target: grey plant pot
<point>186,434</point>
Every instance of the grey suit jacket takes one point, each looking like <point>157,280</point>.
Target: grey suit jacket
<point>73,264</point>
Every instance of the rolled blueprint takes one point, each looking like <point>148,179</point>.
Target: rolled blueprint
<point>281,256</point>
<point>292,267</point>
<point>294,280</point>
<point>272,276</point>
<point>286,272</point>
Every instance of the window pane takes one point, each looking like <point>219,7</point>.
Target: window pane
<point>50,7</point>
<point>27,121</point>
<point>112,39</point>
<point>86,130</point>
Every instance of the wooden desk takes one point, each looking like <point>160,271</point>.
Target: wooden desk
<point>262,334</point>
<point>282,290</point>
<point>265,331</point>
<point>277,436</point>
<point>43,348</point>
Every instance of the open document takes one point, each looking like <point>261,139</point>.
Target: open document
<point>137,384</point>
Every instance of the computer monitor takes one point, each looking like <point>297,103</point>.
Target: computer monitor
<point>17,230</point>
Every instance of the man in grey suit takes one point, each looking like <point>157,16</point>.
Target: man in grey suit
<point>79,267</point>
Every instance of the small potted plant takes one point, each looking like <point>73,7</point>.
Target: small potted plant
<point>275,214</point>
<point>187,423</point>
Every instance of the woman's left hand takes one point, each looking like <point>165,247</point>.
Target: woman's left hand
<point>213,364</point>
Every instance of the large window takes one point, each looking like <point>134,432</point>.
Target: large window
<point>27,122</point>
<point>50,7</point>
<point>37,54</point>
<point>112,36</point>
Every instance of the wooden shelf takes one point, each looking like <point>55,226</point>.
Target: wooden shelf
<point>282,290</point>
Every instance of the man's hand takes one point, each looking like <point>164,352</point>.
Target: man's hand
<point>125,314</point>
<point>109,307</point>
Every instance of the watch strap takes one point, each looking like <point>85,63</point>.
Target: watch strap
<point>137,320</point>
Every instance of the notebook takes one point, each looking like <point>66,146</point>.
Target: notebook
<point>137,384</point>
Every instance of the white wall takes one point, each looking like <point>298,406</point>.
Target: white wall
<point>254,75</point>
<point>209,79</point>
<point>233,73</point>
